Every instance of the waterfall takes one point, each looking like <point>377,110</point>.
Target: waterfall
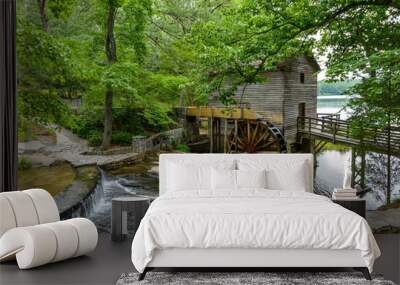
<point>97,205</point>
<point>93,201</point>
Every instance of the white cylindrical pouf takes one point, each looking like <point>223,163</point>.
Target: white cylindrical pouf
<point>33,246</point>
<point>23,208</point>
<point>67,240</point>
<point>87,233</point>
<point>46,208</point>
<point>7,218</point>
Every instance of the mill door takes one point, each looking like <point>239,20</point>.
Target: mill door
<point>301,113</point>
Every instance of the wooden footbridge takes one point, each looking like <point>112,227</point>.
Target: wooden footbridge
<point>329,128</point>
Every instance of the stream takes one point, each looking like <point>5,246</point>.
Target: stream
<point>139,179</point>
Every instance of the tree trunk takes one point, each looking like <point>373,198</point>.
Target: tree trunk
<point>107,118</point>
<point>389,165</point>
<point>111,52</point>
<point>43,15</point>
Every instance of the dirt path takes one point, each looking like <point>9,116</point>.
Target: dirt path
<point>68,147</point>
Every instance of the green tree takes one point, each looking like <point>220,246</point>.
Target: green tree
<point>47,72</point>
<point>251,36</point>
<point>378,105</point>
<point>326,88</point>
<point>135,11</point>
<point>111,53</point>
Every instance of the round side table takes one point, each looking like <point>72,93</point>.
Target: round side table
<point>119,215</point>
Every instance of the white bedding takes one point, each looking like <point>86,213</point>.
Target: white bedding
<point>252,218</point>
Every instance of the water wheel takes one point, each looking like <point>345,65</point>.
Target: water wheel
<point>252,136</point>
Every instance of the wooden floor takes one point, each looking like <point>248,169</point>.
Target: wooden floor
<point>110,260</point>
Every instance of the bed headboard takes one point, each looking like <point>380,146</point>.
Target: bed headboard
<point>209,157</point>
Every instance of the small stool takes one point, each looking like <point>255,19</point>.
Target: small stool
<point>119,215</point>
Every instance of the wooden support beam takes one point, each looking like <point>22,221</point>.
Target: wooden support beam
<point>362,170</point>
<point>248,130</point>
<point>320,145</point>
<point>211,134</point>
<point>218,132</point>
<point>221,135</point>
<point>389,179</point>
<point>389,167</point>
<point>358,169</point>
<point>236,135</point>
<point>225,135</point>
<point>353,167</point>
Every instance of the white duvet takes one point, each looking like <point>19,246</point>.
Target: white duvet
<point>250,219</point>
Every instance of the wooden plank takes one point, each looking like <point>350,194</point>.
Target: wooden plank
<point>236,135</point>
<point>225,135</point>
<point>226,113</point>
<point>211,127</point>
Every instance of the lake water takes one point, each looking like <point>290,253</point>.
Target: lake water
<point>330,163</point>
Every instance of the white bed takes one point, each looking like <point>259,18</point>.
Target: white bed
<point>228,226</point>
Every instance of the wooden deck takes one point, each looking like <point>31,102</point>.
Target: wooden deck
<point>332,129</point>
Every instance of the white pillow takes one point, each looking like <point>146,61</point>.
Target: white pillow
<point>186,174</point>
<point>282,174</point>
<point>223,179</point>
<point>251,179</point>
<point>182,177</point>
<point>293,178</point>
<point>229,180</point>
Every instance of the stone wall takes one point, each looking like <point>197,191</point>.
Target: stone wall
<point>142,144</point>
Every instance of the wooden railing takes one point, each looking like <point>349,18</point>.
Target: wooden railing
<point>341,131</point>
<point>329,116</point>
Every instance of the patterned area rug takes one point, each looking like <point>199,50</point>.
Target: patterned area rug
<point>243,278</point>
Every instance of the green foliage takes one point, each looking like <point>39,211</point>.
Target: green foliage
<point>326,88</point>
<point>182,148</point>
<point>24,164</point>
<point>122,138</point>
<point>120,76</point>
<point>61,9</point>
<point>337,147</point>
<point>94,137</point>
<point>379,102</point>
<point>127,122</point>
<point>132,27</point>
<point>87,126</point>
<point>43,76</point>
<point>157,117</point>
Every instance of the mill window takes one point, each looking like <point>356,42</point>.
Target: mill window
<point>302,77</point>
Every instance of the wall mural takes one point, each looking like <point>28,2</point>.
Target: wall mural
<point>101,96</point>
